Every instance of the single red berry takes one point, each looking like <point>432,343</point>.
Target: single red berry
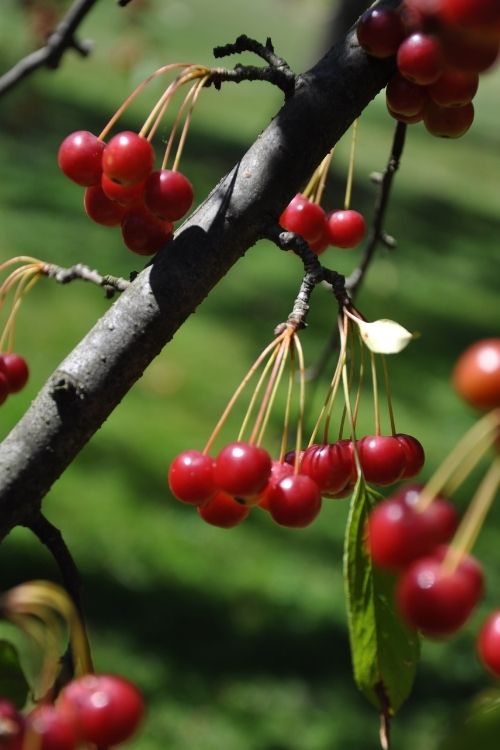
<point>279,471</point>
<point>440,516</point>
<point>15,369</point>
<point>51,728</point>
<point>346,228</point>
<point>11,727</point>
<point>80,157</point>
<point>295,501</point>
<point>143,233</point>
<point>320,245</point>
<point>488,643</point>
<point>476,375</point>
<point>481,14</point>
<point>380,31</point>
<point>4,388</point>
<point>454,88</point>
<point>223,510</point>
<point>124,195</point>
<point>414,454</point>
<point>382,458</point>
<point>128,158</point>
<point>303,217</point>
<point>469,51</point>
<point>242,469</point>
<point>397,534</point>
<point>168,194</point>
<point>106,709</point>
<point>448,122</point>
<point>404,97</point>
<point>100,208</point>
<point>407,119</point>
<point>191,477</point>
<point>330,466</point>
<point>420,59</point>
<point>436,601</point>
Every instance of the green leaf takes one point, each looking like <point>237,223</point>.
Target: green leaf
<point>384,651</point>
<point>13,683</point>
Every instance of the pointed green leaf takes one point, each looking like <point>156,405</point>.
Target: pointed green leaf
<point>384,651</point>
<point>13,683</point>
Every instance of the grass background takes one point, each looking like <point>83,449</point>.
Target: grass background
<point>238,638</point>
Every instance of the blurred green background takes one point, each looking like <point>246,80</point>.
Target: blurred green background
<point>238,638</point>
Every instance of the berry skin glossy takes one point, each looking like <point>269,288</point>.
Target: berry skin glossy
<point>404,97</point>
<point>488,643</point>
<point>436,602</point>
<point>475,13</point>
<point>15,369</point>
<point>448,122</point>
<point>279,471</point>
<point>143,233</point>
<point>420,59</point>
<point>382,459</point>
<point>168,195</point>
<point>454,88</point>
<point>380,31</point>
<point>303,217</point>
<point>397,535</point>
<point>53,729</point>
<point>100,208</point>
<point>414,455</point>
<point>106,709</point>
<point>476,375</point>
<point>242,469</point>
<point>11,727</point>
<point>191,477</point>
<point>295,501</point>
<point>346,228</point>
<point>223,510</point>
<point>331,466</point>
<point>128,158</point>
<point>80,157</point>
<point>124,195</point>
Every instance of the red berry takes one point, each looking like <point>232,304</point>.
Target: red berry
<point>278,472</point>
<point>476,376</point>
<point>435,601</point>
<point>106,709</point>
<point>11,727</point>
<point>475,13</point>
<point>448,122</point>
<point>345,228</point>
<point>295,501</point>
<point>223,510</point>
<point>242,469</point>
<point>488,643</point>
<point>319,246</point>
<point>382,459</point>
<point>408,119</point>
<point>80,156</point>
<point>15,369</point>
<point>52,727</point>
<point>303,217</point>
<point>125,195</point>
<point>330,466</point>
<point>191,477</point>
<point>4,387</point>
<point>440,516</point>
<point>420,59</point>
<point>380,31</point>
<point>397,534</point>
<point>128,158</point>
<point>100,208</point>
<point>454,88</point>
<point>143,233</point>
<point>405,97</point>
<point>414,455</point>
<point>469,51</point>
<point>168,195</point>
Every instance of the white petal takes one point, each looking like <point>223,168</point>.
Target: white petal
<point>384,336</point>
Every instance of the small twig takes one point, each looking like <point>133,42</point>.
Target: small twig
<point>62,39</point>
<point>110,284</point>
<point>277,72</point>
<point>377,234</point>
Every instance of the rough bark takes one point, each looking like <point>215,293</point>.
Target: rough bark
<point>96,375</point>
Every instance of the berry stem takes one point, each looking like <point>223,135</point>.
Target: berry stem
<point>478,440</point>
<point>473,519</point>
<point>347,400</point>
<point>376,407</point>
<point>288,405</point>
<point>182,140</point>
<point>388,393</point>
<point>256,392</point>
<point>350,172</point>
<point>274,378</point>
<point>25,277</point>
<point>277,341</point>
<point>302,401</point>
<point>284,348</point>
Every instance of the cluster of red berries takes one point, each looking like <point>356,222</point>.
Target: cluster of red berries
<point>341,228</point>
<point>433,597</point>
<point>123,190</point>
<point>104,710</point>
<point>244,475</point>
<point>441,47</point>
<point>13,374</point>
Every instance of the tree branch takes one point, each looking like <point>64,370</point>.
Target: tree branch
<point>92,380</point>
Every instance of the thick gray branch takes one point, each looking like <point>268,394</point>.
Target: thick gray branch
<point>93,379</point>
